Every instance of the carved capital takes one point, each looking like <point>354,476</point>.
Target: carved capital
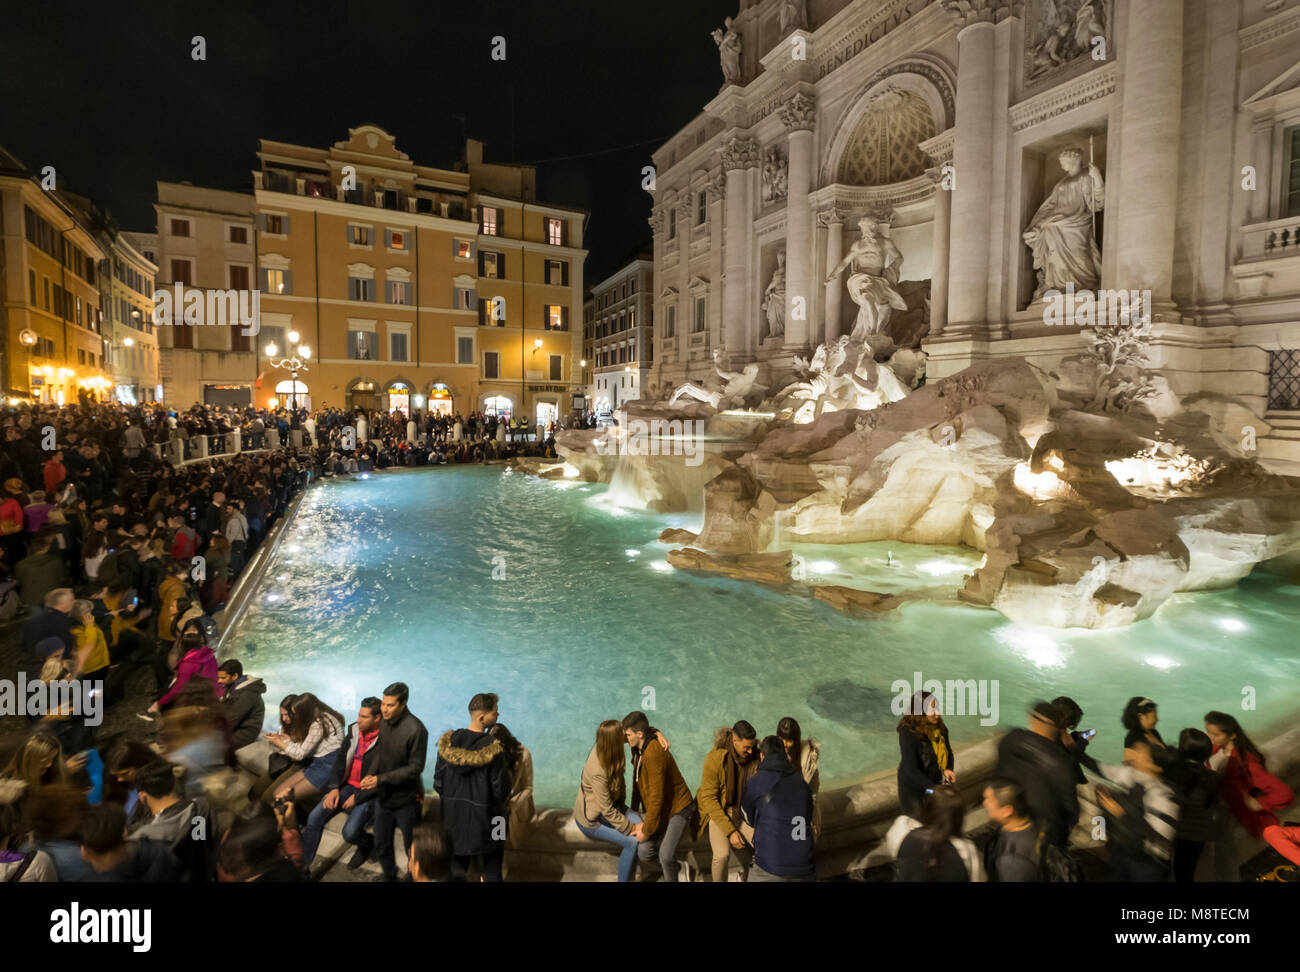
<point>739,153</point>
<point>834,215</point>
<point>656,221</point>
<point>967,12</point>
<point>717,186</point>
<point>799,114</point>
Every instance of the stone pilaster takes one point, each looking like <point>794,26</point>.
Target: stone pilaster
<point>739,156</point>
<point>799,116</point>
<point>833,220</point>
<point>1150,114</point>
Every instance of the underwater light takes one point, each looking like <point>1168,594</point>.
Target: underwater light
<point>1232,624</point>
<point>632,553</point>
<point>661,565</point>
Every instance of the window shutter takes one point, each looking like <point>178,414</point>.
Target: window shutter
<point>480,263</point>
<point>288,281</point>
<point>564,318</point>
<point>564,273</point>
<point>261,222</point>
<point>501,266</point>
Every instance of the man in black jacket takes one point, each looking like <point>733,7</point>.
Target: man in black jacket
<point>1035,761</point>
<point>403,744</point>
<point>241,703</point>
<point>473,778</point>
<point>343,793</point>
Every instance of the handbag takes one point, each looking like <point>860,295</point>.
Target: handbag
<point>278,763</point>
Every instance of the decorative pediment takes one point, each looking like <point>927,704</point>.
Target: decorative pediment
<point>464,281</point>
<point>360,270</point>
<point>393,273</point>
<point>1282,92</point>
<point>699,285</point>
<point>371,140</point>
<point>273,261</point>
<point>669,294</point>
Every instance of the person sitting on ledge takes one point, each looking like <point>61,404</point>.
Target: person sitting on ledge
<point>660,795</point>
<point>599,809</point>
<point>727,770</point>
<point>344,793</point>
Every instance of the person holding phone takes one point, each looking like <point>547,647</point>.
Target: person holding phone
<point>926,758</point>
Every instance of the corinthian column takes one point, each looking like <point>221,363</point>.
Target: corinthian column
<point>940,245</point>
<point>968,259</point>
<point>739,155</point>
<point>833,220</point>
<point>798,115</point>
<point>1148,169</point>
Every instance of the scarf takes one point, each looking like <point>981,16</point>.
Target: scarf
<point>734,775</point>
<point>935,735</point>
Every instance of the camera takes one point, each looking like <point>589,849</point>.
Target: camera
<point>281,802</point>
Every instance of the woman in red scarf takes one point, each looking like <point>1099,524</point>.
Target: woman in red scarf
<point>1252,793</point>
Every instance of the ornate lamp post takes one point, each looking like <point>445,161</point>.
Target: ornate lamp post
<point>294,361</point>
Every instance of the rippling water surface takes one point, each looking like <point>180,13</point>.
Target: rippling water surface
<point>392,578</point>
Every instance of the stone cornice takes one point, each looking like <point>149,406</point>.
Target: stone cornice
<point>940,146</point>
<point>799,113</point>
<point>860,200</point>
<point>1065,97</point>
<point>1268,29</point>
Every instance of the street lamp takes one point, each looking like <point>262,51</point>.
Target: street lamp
<point>294,361</point>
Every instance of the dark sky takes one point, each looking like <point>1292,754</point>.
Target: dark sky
<point>109,94</point>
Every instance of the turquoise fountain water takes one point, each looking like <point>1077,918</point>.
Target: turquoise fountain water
<point>465,580</point>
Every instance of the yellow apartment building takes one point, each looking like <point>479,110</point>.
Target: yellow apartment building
<point>413,287</point>
<point>53,350</point>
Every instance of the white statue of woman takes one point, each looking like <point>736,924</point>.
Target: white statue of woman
<point>1061,233</point>
<point>876,262</point>
<point>729,52</point>
<point>774,299</point>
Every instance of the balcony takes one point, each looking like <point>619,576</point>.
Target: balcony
<point>396,200</point>
<point>1270,259</point>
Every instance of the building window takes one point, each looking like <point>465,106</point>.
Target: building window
<point>181,272</point>
<point>557,317</point>
<point>1284,380</point>
<point>670,321</point>
<point>359,235</point>
<point>361,288</point>
<point>490,221</point>
<point>464,350</point>
<point>362,345</point>
<point>672,224</point>
<point>701,208</point>
<point>277,281</point>
<point>491,364</point>
<point>397,347</point>
<point>180,227</point>
<point>239,341</point>
<point>238,234</point>
<point>701,318</point>
<point>272,334</point>
<point>398,240</point>
<point>491,265</point>
<point>463,298</point>
<point>464,250</point>
<point>557,367</point>
<point>557,273</point>
<point>399,292</point>
<point>554,231</point>
<point>239,278</point>
<point>275,225</point>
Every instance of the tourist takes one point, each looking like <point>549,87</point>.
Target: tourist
<point>519,819</point>
<point>114,858</point>
<point>54,621</point>
<point>660,795</point>
<point>279,767</point>
<point>473,778</point>
<point>11,520</point>
<point>53,815</point>
<point>778,804</point>
<point>935,851</point>
<point>242,704</point>
<point>314,737</point>
<point>805,754</point>
<point>1075,742</point>
<point>1139,718</point>
<point>197,660</point>
<point>600,810</point>
<point>40,572</point>
<point>170,592</point>
<point>1012,856</point>
<point>92,657</point>
<point>1196,787</point>
<point>343,793</point>
<point>927,760</point>
<point>727,769</point>
<point>1142,817</point>
<point>1035,760</point>
<point>1252,793</point>
<point>428,860</point>
<point>262,846</point>
<point>180,823</point>
<point>402,748</point>
<point>19,867</point>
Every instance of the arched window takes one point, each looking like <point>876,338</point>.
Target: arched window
<point>497,405</point>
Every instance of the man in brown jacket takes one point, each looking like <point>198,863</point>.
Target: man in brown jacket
<point>660,795</point>
<point>727,769</point>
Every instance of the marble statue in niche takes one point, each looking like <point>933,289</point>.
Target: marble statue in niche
<point>794,15</point>
<point>1062,234</point>
<point>1063,31</point>
<point>774,299</point>
<point>875,263</point>
<point>776,176</point>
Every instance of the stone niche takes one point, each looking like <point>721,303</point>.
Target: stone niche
<point>1040,171</point>
<point>766,267</point>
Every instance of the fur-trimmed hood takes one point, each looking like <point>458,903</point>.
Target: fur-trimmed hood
<point>485,750</point>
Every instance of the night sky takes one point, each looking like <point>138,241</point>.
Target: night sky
<point>109,94</point>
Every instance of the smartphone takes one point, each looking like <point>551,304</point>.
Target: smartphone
<point>135,600</point>
<point>1088,734</point>
<point>928,790</point>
